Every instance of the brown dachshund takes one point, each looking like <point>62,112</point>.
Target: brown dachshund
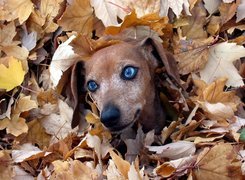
<point>120,80</point>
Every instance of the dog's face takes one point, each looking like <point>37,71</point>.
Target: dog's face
<point>119,79</point>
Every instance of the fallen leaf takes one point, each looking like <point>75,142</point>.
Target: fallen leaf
<point>20,9</point>
<point>16,125</point>
<point>20,173</point>
<point>174,150</point>
<point>193,60</point>
<point>28,152</point>
<point>6,170</point>
<point>63,58</point>
<point>240,11</point>
<point>220,64</point>
<point>108,11</point>
<point>12,76</point>
<point>72,170</point>
<point>78,17</point>
<point>112,173</point>
<point>177,167</point>
<point>143,8</point>
<point>211,6</point>
<point>122,165</point>
<point>196,23</point>
<point>227,11</point>
<point>154,21</point>
<point>220,162</point>
<point>176,5</point>
<point>24,104</point>
<point>59,125</point>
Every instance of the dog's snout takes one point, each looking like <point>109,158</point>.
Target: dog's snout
<point>110,115</point>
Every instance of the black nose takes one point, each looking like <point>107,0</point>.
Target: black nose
<point>110,115</point>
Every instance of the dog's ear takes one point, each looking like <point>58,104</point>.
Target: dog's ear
<point>75,92</point>
<point>153,49</point>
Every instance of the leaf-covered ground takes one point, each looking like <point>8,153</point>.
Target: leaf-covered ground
<point>41,39</point>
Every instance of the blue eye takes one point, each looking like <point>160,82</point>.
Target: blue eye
<point>129,72</point>
<point>92,86</point>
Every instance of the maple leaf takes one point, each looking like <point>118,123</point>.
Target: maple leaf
<point>193,60</point>
<point>108,11</point>
<point>154,21</point>
<point>143,7</point>
<point>218,104</point>
<point>220,162</point>
<point>12,76</point>
<point>20,9</point>
<point>220,64</point>
<point>175,5</point>
<point>78,17</point>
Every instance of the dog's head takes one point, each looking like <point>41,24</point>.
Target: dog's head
<point>120,80</point>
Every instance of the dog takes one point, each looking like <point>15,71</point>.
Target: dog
<point>120,80</point>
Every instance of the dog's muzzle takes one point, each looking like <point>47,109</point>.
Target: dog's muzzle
<point>110,115</point>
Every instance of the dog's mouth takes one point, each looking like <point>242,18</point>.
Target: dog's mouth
<point>119,128</point>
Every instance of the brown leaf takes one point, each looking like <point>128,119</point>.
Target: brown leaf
<point>78,17</point>
<point>20,9</point>
<point>219,163</point>
<point>196,22</point>
<point>72,170</point>
<point>227,11</point>
<point>153,20</point>
<point>192,61</point>
<point>6,171</point>
<point>122,165</point>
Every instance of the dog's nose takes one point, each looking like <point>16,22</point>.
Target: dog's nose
<point>110,115</point>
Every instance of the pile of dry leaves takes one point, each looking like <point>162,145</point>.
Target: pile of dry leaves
<point>42,39</point>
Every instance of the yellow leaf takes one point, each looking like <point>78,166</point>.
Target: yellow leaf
<point>12,76</point>
<point>122,165</point>
<point>78,17</point>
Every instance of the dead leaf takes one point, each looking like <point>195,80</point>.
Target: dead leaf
<point>78,17</point>
<point>196,23</point>
<point>154,21</point>
<point>109,11</point>
<point>240,11</point>
<point>72,170</point>
<point>122,165</point>
<point>28,152</point>
<point>177,167</point>
<point>211,6</point>
<point>220,64</point>
<point>174,150</point>
<point>176,5</point>
<point>227,11</point>
<point>20,9</point>
<point>63,58</point>
<point>219,163</point>
<point>6,170</point>
<point>193,60</point>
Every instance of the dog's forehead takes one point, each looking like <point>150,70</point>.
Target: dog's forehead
<point>117,52</point>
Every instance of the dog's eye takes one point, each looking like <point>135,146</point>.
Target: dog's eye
<point>92,86</point>
<point>129,72</point>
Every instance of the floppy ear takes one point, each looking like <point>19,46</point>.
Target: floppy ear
<point>75,92</point>
<point>154,50</point>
